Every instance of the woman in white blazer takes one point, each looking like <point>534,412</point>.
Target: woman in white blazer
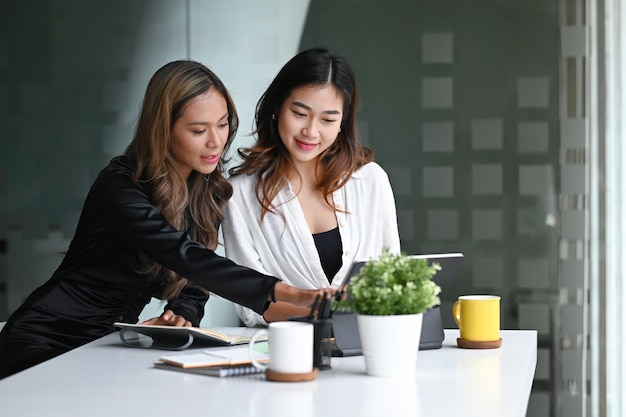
<point>308,199</point>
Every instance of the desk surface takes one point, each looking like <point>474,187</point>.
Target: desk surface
<point>104,378</point>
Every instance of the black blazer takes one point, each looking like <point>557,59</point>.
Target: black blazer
<point>98,284</point>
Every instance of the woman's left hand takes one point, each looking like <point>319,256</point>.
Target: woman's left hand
<point>168,318</point>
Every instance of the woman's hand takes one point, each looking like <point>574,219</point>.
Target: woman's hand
<point>300,297</point>
<point>168,318</point>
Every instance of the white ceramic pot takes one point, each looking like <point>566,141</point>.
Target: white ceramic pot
<point>390,343</point>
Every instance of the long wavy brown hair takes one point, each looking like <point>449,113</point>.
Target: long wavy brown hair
<point>269,159</point>
<point>195,203</point>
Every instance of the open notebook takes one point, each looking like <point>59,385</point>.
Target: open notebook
<point>345,328</point>
<point>178,338</point>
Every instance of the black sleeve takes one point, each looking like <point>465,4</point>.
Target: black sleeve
<point>189,303</point>
<point>128,208</point>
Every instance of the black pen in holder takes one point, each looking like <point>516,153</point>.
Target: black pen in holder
<point>322,340</point>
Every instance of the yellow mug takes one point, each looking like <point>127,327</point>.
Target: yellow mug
<point>478,317</point>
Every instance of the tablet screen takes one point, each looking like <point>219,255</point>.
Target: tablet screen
<point>450,264</point>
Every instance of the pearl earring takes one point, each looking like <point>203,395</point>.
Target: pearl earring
<point>273,116</point>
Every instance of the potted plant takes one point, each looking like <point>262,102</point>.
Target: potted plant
<point>389,296</point>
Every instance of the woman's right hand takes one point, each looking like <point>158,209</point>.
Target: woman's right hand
<point>300,297</point>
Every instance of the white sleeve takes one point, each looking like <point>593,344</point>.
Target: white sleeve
<point>239,247</point>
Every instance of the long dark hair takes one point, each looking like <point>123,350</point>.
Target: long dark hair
<point>194,203</point>
<point>268,158</point>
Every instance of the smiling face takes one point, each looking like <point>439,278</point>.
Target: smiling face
<point>309,122</point>
<point>199,135</point>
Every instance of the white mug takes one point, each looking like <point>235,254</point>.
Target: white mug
<point>290,347</point>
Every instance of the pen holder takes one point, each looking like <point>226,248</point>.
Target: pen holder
<point>322,340</point>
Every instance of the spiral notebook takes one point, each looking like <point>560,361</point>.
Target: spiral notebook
<point>219,362</point>
<point>239,355</point>
<point>216,371</point>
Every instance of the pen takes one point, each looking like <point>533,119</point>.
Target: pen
<point>329,304</point>
<point>314,306</point>
<point>320,309</point>
<point>339,293</point>
<point>324,308</point>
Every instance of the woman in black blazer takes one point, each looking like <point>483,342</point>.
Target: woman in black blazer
<point>149,227</point>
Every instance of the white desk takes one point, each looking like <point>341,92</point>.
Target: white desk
<point>105,379</point>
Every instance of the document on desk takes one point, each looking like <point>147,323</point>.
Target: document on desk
<point>238,355</point>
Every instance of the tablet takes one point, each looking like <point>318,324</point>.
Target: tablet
<point>450,264</point>
<point>345,328</point>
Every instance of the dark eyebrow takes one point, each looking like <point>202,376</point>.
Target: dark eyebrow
<point>204,123</point>
<point>304,106</point>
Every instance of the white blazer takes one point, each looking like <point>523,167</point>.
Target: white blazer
<point>283,246</point>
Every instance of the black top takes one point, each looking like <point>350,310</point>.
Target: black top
<point>329,248</point>
<point>98,284</point>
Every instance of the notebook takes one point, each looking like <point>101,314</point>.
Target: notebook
<point>217,371</point>
<point>238,355</point>
<point>219,362</point>
<point>345,328</point>
<point>179,338</point>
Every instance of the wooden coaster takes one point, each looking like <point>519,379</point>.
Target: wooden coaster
<point>282,377</point>
<point>470,344</point>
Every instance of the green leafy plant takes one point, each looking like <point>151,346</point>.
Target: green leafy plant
<point>391,285</point>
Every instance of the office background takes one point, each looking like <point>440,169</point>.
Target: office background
<point>475,109</point>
